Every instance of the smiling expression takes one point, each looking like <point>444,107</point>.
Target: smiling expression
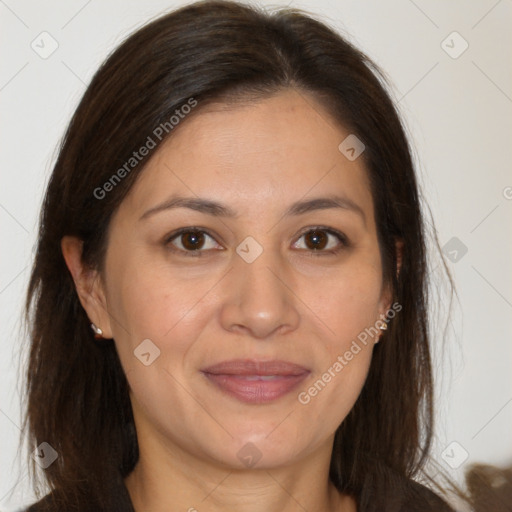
<point>277,260</point>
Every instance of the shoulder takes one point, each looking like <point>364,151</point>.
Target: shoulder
<point>399,494</point>
<point>54,502</point>
<point>115,499</point>
<point>420,498</point>
<point>50,503</point>
<point>43,505</point>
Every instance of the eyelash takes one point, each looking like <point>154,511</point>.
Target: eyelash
<point>344,243</point>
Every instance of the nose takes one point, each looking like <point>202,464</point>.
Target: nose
<point>259,300</point>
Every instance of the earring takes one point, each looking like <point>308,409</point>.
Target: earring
<point>383,328</point>
<point>98,333</point>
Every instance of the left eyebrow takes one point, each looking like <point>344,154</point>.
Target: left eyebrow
<point>220,210</point>
<point>325,203</point>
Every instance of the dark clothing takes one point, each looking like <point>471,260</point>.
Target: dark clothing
<point>403,496</point>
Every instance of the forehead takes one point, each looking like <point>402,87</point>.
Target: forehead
<point>262,154</point>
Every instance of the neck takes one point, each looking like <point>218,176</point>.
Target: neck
<point>167,478</point>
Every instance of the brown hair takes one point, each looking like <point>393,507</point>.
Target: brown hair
<point>490,488</point>
<point>214,50</point>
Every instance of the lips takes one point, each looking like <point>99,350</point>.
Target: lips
<point>252,367</point>
<point>256,382</point>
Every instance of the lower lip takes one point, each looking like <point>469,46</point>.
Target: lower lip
<point>256,391</point>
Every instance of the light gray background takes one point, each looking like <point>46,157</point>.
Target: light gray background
<point>457,110</point>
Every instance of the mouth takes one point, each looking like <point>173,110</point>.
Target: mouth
<point>256,382</point>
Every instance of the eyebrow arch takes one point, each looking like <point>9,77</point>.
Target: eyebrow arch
<point>219,210</point>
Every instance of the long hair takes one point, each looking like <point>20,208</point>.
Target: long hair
<point>77,393</point>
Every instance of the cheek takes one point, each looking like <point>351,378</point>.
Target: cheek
<point>347,305</point>
<point>172,313</point>
<point>154,304</point>
<point>347,302</point>
<point>333,389</point>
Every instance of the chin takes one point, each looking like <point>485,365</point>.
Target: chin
<point>261,446</point>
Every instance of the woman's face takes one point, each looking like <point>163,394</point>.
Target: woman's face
<point>247,289</point>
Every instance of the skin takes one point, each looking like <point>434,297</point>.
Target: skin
<point>287,304</point>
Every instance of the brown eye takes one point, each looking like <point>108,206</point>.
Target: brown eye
<point>191,242</point>
<point>316,240</point>
<point>322,241</point>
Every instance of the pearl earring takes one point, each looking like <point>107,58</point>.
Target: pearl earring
<point>383,328</point>
<point>98,333</point>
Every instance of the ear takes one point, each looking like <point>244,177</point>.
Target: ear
<point>88,284</point>
<point>399,255</point>
<point>386,294</point>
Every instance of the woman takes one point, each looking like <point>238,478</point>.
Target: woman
<point>229,306</point>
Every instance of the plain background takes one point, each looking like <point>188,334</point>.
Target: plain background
<point>457,109</point>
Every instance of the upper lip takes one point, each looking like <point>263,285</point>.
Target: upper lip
<point>254,367</point>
